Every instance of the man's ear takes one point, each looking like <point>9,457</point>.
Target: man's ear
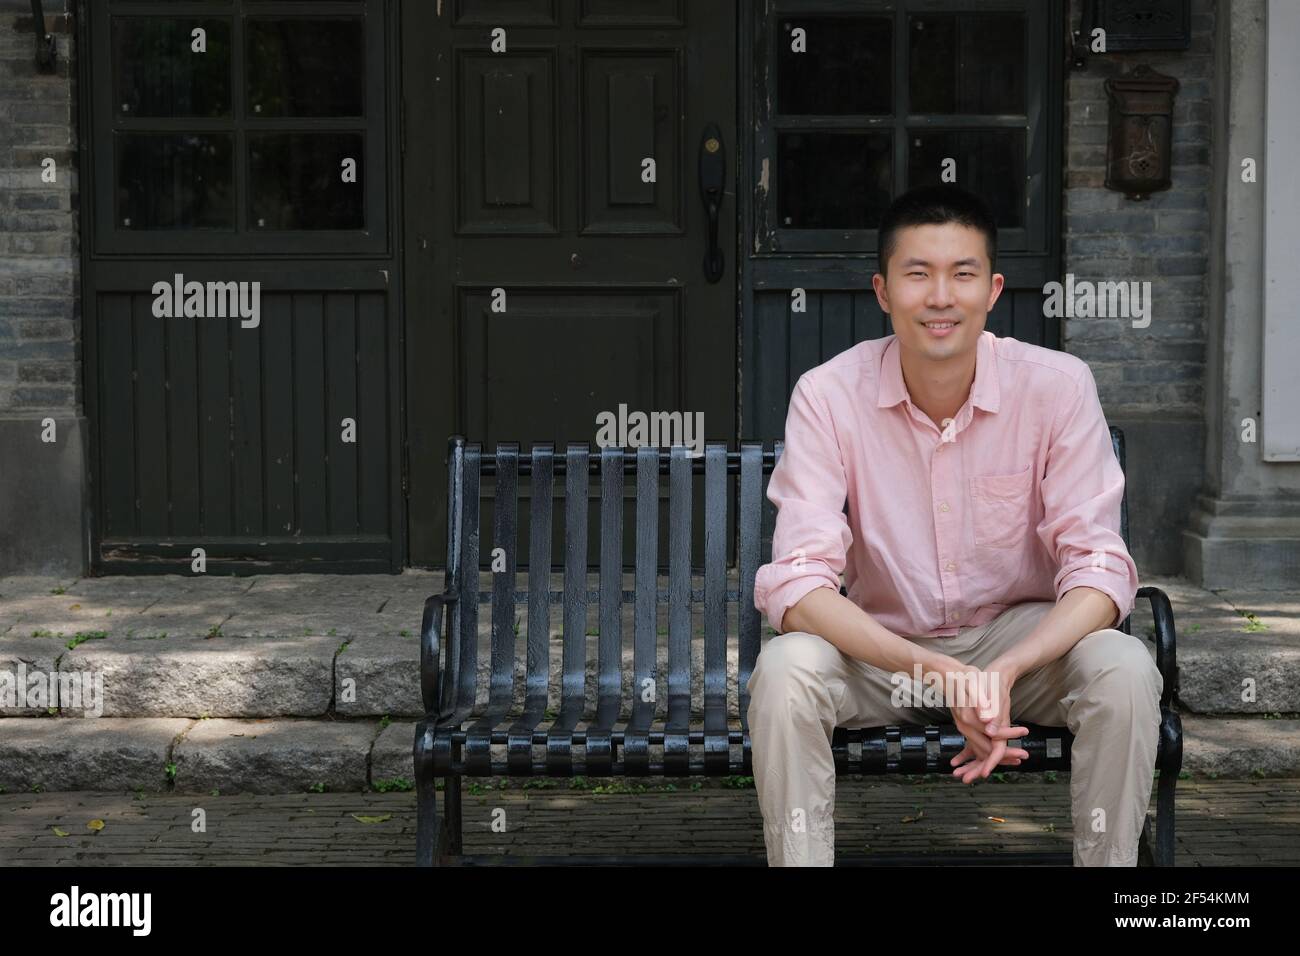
<point>996,283</point>
<point>882,295</point>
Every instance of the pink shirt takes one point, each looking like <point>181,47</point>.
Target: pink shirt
<point>1019,502</point>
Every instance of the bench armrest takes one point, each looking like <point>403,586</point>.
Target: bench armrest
<point>1166,641</point>
<point>431,642</point>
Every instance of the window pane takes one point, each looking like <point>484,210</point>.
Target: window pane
<point>305,67</point>
<point>174,181</point>
<point>990,162</point>
<point>833,180</point>
<point>297,181</point>
<point>160,74</point>
<point>967,63</point>
<point>847,67</point>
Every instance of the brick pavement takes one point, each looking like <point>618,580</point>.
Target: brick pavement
<point>1234,822</point>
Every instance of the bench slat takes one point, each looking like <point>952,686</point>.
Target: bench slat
<point>464,658</point>
<point>677,751</point>
<point>505,503</point>
<point>747,557</point>
<point>478,754</point>
<point>505,506</point>
<point>636,744</point>
<point>573,663</point>
<point>541,492</point>
<point>609,690</point>
<point>716,752</point>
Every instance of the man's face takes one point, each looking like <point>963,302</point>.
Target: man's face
<point>939,290</point>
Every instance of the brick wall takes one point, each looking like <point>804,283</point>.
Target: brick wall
<point>43,476</point>
<point>1163,239</point>
<point>1151,380</point>
<point>39,269</point>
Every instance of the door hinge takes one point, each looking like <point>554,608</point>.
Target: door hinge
<point>406,487</point>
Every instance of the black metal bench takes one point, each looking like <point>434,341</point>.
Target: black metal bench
<point>460,737</point>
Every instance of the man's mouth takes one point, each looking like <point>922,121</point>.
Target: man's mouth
<point>941,328</point>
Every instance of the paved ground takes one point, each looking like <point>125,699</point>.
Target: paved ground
<point>1220,822</point>
<point>232,663</point>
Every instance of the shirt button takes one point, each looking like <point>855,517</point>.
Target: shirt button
<point>943,506</point>
<point>951,566</point>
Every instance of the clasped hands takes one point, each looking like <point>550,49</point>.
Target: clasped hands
<point>986,721</point>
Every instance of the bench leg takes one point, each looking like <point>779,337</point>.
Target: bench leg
<point>1164,848</point>
<point>1145,841</point>
<point>428,826</point>
<point>451,822</point>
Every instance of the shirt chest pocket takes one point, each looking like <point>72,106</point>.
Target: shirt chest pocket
<point>1000,508</point>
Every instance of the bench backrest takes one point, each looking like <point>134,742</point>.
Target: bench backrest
<point>467,466</point>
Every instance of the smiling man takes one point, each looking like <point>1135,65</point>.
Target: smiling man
<point>981,541</point>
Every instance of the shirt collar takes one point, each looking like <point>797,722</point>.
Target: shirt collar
<point>984,392</point>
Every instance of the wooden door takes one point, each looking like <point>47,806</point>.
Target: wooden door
<point>250,145</point>
<point>557,234</point>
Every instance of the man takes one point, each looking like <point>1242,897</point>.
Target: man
<point>981,542</point>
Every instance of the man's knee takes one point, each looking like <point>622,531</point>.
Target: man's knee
<point>1119,662</point>
<point>795,657</point>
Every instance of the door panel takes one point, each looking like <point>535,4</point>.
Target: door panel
<point>626,100</point>
<point>507,148</point>
<point>229,439</point>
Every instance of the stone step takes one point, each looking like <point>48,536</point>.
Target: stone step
<point>307,676</point>
<point>297,649</point>
<point>348,646</point>
<point>293,756</point>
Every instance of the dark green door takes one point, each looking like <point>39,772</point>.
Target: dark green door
<point>241,145</point>
<point>556,231</point>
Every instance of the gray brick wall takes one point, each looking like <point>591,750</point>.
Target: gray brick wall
<point>1159,370</point>
<point>39,269</point>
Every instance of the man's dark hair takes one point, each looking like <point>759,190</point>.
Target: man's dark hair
<point>933,206</point>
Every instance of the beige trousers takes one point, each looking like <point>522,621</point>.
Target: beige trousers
<point>1106,690</point>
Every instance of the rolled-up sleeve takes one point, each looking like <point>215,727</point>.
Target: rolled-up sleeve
<point>1082,488</point>
<point>808,487</point>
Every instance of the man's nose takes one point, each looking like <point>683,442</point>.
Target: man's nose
<point>940,292</point>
